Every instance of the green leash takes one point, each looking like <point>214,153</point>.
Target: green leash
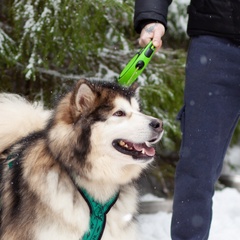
<point>98,212</point>
<point>136,65</point>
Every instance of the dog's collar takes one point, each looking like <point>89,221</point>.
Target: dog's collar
<point>98,212</point>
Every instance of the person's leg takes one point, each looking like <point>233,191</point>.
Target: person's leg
<point>208,119</point>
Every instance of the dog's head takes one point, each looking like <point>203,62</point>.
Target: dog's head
<point>98,131</point>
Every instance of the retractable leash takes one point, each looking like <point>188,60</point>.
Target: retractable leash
<point>136,65</point>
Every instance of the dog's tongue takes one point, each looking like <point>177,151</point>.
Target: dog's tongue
<point>142,147</point>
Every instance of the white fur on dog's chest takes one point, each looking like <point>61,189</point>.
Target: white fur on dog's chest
<point>119,226</point>
<point>120,223</point>
<point>55,233</point>
<point>66,226</point>
<point>76,217</point>
<point>67,216</point>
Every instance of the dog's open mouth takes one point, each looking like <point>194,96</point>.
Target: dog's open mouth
<point>136,150</point>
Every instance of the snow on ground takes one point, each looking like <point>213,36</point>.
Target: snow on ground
<point>226,214</point>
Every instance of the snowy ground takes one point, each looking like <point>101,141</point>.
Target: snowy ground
<point>226,213</point>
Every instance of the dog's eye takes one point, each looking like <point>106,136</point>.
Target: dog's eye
<point>119,113</point>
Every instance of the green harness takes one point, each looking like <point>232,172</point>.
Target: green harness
<point>11,159</point>
<point>98,211</point>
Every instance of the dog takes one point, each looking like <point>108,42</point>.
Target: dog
<point>68,173</point>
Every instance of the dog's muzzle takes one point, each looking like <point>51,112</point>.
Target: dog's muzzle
<point>143,150</point>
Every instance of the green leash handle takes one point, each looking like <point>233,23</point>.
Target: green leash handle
<point>136,65</point>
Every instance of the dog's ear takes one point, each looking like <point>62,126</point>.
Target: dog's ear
<point>134,86</point>
<point>85,97</point>
<point>136,89</point>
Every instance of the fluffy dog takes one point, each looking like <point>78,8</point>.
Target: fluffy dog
<point>67,174</point>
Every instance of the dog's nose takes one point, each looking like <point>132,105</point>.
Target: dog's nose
<point>157,125</point>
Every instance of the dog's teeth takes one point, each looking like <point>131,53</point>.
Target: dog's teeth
<point>125,145</point>
<point>143,151</point>
<point>148,144</point>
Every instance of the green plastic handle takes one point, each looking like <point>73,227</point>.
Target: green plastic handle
<point>136,65</point>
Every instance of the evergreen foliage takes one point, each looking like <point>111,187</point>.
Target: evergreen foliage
<point>61,35</point>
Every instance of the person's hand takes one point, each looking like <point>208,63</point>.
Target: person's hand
<point>154,32</point>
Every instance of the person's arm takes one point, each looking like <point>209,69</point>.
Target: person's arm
<point>150,19</point>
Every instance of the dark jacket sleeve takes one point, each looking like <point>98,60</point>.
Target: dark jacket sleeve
<point>148,11</point>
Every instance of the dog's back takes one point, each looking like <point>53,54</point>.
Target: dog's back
<point>19,118</point>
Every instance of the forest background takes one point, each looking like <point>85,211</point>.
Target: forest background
<point>47,45</point>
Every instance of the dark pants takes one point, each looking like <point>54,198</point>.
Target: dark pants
<point>210,114</point>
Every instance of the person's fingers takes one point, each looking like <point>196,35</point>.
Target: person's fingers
<point>146,34</point>
<point>154,32</point>
<point>143,41</point>
<point>157,37</point>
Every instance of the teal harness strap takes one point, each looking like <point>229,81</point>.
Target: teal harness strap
<point>98,212</point>
<point>11,159</point>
